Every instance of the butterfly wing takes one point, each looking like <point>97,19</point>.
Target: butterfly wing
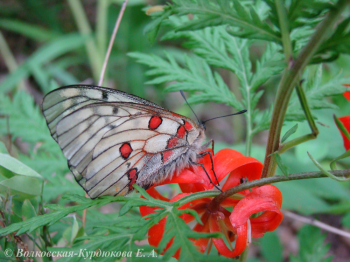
<point>111,145</point>
<point>65,100</point>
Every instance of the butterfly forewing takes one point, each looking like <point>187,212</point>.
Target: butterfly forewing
<point>112,139</point>
<point>66,100</point>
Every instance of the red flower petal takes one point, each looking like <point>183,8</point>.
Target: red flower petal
<point>194,179</point>
<point>265,198</point>
<point>219,243</point>
<point>346,122</point>
<point>347,94</point>
<point>247,167</point>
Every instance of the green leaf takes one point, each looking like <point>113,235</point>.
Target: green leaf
<point>289,133</point>
<point>153,27</point>
<point>22,187</point>
<point>176,228</point>
<point>32,31</point>
<point>271,247</point>
<point>75,229</point>
<point>338,43</point>
<point>244,20</point>
<point>3,148</point>
<point>16,166</point>
<point>281,165</point>
<point>28,210</point>
<point>346,220</point>
<point>53,217</point>
<point>316,91</point>
<point>311,245</point>
<point>43,55</point>
<point>299,198</point>
<point>197,76</point>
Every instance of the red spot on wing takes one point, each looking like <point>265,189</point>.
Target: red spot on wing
<point>167,155</point>
<point>132,175</point>
<point>181,132</point>
<point>125,150</point>
<point>172,142</point>
<point>154,122</point>
<point>188,126</point>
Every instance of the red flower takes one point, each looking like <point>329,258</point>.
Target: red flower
<point>345,120</point>
<point>234,225</point>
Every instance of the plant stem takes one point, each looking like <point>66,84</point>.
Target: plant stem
<point>101,25</point>
<point>314,130</point>
<point>283,21</point>
<point>117,23</point>
<point>85,29</point>
<point>305,106</point>
<point>289,79</point>
<point>270,180</point>
<point>9,59</point>
<point>333,163</point>
<point>297,141</point>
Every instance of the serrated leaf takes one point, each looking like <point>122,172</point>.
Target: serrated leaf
<point>197,76</point>
<point>152,28</point>
<point>316,91</point>
<point>244,20</point>
<point>311,245</point>
<point>51,218</point>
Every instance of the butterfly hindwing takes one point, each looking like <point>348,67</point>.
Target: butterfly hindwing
<point>111,145</point>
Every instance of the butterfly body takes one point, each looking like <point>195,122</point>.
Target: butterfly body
<point>113,139</point>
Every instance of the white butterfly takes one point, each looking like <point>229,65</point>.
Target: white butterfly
<point>113,139</point>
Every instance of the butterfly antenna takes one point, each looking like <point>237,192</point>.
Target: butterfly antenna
<point>238,113</point>
<point>183,95</point>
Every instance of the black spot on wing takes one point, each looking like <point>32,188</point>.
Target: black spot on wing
<point>104,95</point>
<point>115,110</point>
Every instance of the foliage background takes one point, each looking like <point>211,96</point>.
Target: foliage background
<point>44,41</point>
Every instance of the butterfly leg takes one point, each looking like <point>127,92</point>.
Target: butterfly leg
<point>212,162</point>
<point>212,145</point>
<point>201,165</point>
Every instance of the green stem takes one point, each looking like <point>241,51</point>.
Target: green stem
<point>101,26</point>
<point>314,130</point>
<point>219,197</point>
<point>244,255</point>
<point>305,106</point>
<point>324,171</point>
<point>297,141</point>
<point>85,29</point>
<point>284,27</point>
<point>289,79</point>
<point>341,127</point>
<point>333,164</point>
<point>9,59</point>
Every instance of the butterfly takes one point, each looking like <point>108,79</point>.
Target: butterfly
<point>113,139</point>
